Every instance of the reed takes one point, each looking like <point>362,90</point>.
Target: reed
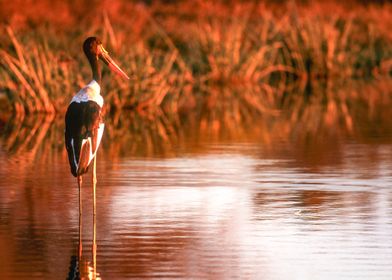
<point>39,79</point>
<point>172,50</point>
<point>32,79</point>
<point>325,113</point>
<point>334,48</point>
<point>230,55</point>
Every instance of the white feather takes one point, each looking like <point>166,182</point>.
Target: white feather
<point>74,155</point>
<point>90,154</point>
<point>91,92</point>
<point>99,137</point>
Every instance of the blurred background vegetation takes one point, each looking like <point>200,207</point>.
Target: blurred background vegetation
<point>174,50</point>
<point>200,70</point>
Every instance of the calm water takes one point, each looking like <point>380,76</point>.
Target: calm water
<point>313,206</point>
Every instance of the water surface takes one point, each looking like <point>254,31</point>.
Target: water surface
<point>203,200</point>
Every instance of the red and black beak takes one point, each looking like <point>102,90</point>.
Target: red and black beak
<point>105,57</point>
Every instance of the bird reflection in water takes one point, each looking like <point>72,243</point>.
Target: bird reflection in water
<point>80,267</point>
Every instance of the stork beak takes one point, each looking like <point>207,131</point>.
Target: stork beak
<point>105,57</point>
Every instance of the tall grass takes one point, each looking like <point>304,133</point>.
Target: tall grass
<point>225,52</point>
<point>168,49</point>
<point>332,111</point>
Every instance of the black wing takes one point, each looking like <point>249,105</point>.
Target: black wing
<point>81,122</point>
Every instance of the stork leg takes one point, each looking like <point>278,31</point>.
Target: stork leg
<point>80,247</point>
<point>94,185</point>
<point>80,216</point>
<point>94,251</point>
<point>94,180</point>
<point>80,195</point>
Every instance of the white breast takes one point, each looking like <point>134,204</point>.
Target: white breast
<point>91,92</point>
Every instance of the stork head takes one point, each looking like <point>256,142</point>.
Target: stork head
<point>94,51</point>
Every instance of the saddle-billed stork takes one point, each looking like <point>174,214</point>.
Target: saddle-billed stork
<point>83,119</point>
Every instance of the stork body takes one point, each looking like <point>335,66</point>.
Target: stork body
<point>83,119</point>
<point>84,127</point>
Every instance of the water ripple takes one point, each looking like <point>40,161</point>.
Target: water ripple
<point>215,216</point>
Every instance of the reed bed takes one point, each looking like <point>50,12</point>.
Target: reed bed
<point>175,52</point>
<point>326,113</point>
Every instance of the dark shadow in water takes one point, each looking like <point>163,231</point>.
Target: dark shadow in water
<point>81,267</point>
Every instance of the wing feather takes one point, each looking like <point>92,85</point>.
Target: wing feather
<point>83,134</point>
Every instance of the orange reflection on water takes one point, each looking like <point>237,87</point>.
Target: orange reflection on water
<point>208,195</point>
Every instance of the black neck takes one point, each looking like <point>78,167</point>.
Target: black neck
<point>95,68</point>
